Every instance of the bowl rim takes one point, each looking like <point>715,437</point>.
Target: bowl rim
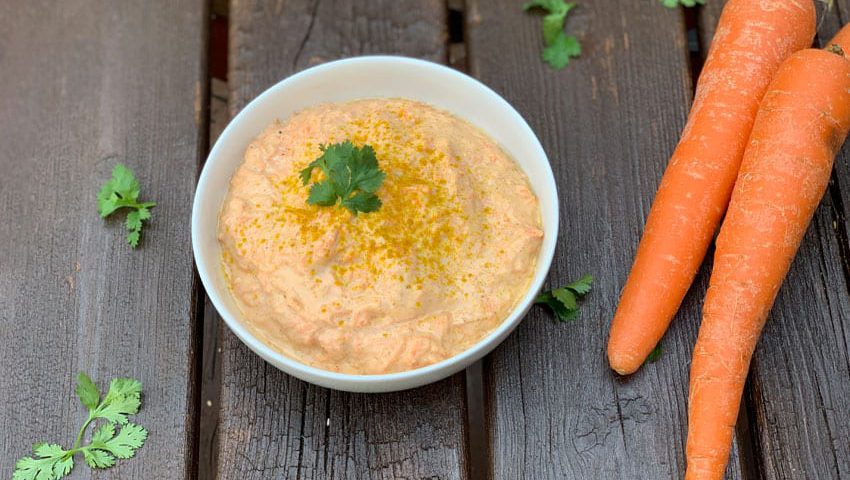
<point>442,368</point>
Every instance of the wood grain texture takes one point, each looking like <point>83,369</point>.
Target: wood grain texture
<point>87,84</point>
<point>272,425</point>
<point>609,122</point>
<point>799,388</point>
<point>304,33</point>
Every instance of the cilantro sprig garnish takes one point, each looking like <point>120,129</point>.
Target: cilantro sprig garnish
<point>564,301</point>
<point>352,177</point>
<point>122,191</point>
<point>684,3</point>
<point>560,47</point>
<point>51,462</point>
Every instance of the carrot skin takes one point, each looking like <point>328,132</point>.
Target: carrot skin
<point>801,124</point>
<point>751,41</point>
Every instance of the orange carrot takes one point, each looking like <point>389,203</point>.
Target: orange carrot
<point>751,41</point>
<point>801,124</point>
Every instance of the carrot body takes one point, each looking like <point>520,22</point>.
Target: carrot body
<point>751,41</point>
<point>801,124</point>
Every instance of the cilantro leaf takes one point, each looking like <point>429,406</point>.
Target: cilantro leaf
<point>307,173</point>
<point>553,22</point>
<point>130,438</point>
<point>122,191</point>
<point>566,297</point>
<point>106,446</point>
<point>365,172</point>
<point>98,458</point>
<point>122,399</point>
<point>654,355</point>
<point>553,26</point>
<point>362,202</point>
<point>322,193</point>
<point>351,178</point>
<point>559,309</point>
<point>102,434</point>
<point>548,5</point>
<point>564,301</point>
<point>582,286</point>
<point>558,54</point>
<point>685,3</point>
<point>51,462</point>
<point>560,47</point>
<point>87,391</point>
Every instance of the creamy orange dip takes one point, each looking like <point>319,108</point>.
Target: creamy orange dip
<point>439,266</point>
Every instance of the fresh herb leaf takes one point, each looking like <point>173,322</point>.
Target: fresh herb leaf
<point>51,462</point>
<point>362,202</point>
<point>87,391</point>
<point>654,355</point>
<point>122,399</point>
<point>566,297</point>
<point>564,301</point>
<point>122,191</point>
<point>582,286</point>
<point>685,3</point>
<point>98,458</point>
<point>558,54</point>
<point>123,445</point>
<point>104,433</point>
<point>322,193</point>
<point>351,178</point>
<point>553,22</point>
<point>560,47</point>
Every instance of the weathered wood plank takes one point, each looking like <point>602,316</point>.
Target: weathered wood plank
<point>87,84</point>
<point>609,122</point>
<point>272,425</point>
<point>799,389</point>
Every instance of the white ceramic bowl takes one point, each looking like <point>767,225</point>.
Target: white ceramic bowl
<point>350,79</point>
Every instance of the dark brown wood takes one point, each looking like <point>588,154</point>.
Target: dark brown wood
<point>799,391</point>
<point>272,425</point>
<point>609,122</point>
<point>87,84</point>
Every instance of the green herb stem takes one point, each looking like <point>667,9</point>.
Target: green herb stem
<point>79,439</point>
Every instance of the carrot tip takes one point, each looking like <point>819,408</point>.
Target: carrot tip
<point>622,364</point>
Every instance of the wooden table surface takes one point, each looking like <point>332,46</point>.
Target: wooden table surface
<point>85,84</point>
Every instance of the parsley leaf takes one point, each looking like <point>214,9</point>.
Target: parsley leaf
<point>564,301</point>
<point>560,47</point>
<point>51,462</point>
<point>122,191</point>
<point>351,178</point>
<point>685,3</point>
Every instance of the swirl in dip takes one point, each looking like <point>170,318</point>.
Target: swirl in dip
<point>439,266</point>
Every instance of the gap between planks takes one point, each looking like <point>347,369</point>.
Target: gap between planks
<point>207,320</point>
<point>477,445</point>
<point>209,376</point>
<point>745,435</point>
